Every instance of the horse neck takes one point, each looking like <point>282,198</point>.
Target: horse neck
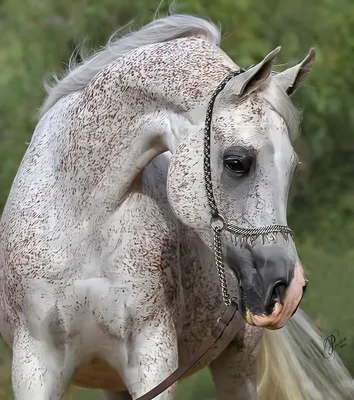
<point>133,110</point>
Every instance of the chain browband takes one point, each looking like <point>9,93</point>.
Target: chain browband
<point>218,223</point>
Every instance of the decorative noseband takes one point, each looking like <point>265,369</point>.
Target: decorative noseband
<point>218,223</point>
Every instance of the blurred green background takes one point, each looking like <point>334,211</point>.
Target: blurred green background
<point>38,36</point>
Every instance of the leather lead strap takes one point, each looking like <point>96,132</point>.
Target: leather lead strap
<point>219,329</point>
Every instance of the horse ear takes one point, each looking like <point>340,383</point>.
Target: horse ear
<point>291,79</point>
<point>255,76</point>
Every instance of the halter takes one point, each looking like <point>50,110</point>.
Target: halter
<point>218,223</point>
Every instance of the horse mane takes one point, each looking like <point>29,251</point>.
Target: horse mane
<point>79,75</point>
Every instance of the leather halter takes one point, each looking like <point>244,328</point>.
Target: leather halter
<point>218,223</point>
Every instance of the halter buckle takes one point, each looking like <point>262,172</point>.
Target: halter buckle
<point>217,222</point>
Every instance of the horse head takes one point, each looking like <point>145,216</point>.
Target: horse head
<point>230,183</point>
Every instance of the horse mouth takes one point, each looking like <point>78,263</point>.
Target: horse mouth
<point>281,311</point>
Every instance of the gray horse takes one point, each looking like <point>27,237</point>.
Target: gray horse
<point>152,157</point>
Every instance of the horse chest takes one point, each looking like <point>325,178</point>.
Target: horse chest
<point>97,373</point>
<point>201,307</point>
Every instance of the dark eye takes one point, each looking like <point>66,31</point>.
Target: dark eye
<point>237,164</point>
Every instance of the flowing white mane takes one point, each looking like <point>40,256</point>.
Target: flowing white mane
<point>157,31</point>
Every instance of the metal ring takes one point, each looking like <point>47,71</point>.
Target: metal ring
<point>217,222</point>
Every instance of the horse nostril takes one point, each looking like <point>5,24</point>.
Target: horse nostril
<point>280,290</point>
<point>277,294</point>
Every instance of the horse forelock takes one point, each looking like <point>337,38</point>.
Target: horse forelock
<point>277,98</point>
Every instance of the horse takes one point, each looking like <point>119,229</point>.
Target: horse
<point>152,195</point>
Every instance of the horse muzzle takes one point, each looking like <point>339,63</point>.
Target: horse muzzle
<point>271,286</point>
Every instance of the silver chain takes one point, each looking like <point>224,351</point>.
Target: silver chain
<point>220,266</point>
<point>218,222</point>
<point>251,234</point>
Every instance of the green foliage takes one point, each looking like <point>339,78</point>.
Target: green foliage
<point>38,36</point>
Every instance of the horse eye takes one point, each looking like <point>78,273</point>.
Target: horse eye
<point>238,165</point>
